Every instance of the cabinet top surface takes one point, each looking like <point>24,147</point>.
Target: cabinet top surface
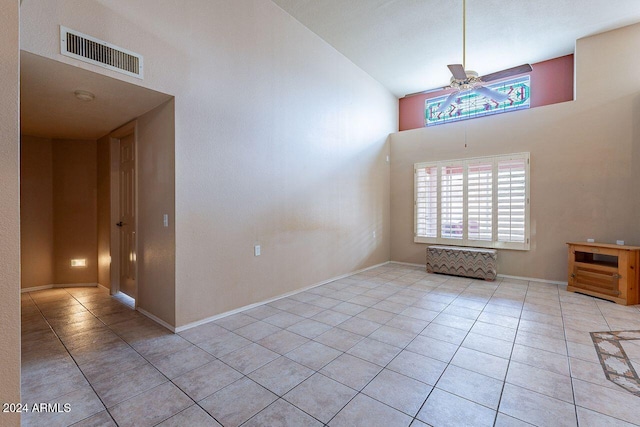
<point>606,245</point>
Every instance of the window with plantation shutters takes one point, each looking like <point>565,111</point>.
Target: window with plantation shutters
<point>512,198</point>
<point>480,201</point>
<point>451,201</point>
<point>427,207</point>
<point>474,202</point>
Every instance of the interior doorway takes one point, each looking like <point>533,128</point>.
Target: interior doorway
<point>68,117</point>
<point>124,204</point>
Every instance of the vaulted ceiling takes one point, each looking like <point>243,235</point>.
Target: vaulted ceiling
<point>406,44</point>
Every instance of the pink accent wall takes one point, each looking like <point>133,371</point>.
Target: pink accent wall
<point>551,83</point>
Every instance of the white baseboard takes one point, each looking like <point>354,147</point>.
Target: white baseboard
<point>408,263</point>
<point>58,285</point>
<point>157,320</point>
<point>532,279</point>
<point>100,285</point>
<point>257,304</point>
<point>35,288</point>
<point>74,285</point>
<point>504,276</point>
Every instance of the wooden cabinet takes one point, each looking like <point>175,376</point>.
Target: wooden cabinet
<point>605,271</point>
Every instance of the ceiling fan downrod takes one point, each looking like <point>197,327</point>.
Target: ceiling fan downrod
<point>464,34</point>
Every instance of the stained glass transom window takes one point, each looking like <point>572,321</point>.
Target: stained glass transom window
<point>472,104</point>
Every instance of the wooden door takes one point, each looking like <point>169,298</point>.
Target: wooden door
<point>127,216</point>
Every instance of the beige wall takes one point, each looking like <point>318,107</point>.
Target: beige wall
<point>635,159</point>
<point>156,197</point>
<point>75,210</point>
<point>36,212</point>
<point>58,211</point>
<point>104,211</point>
<point>583,182</point>
<point>279,141</point>
<point>9,210</point>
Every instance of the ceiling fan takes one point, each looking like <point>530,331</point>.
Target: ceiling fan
<point>464,81</point>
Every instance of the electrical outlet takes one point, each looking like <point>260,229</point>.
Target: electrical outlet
<point>165,220</point>
<point>620,242</point>
<point>591,240</point>
<point>256,250</point>
<point>374,234</point>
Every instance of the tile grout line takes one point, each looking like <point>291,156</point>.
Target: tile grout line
<point>247,375</point>
<point>513,344</point>
<point>566,342</point>
<point>279,355</point>
<point>460,345</point>
<point>154,367</point>
<point>384,367</point>
<point>358,392</point>
<point>345,352</point>
<point>73,358</point>
<point>125,341</point>
<point>320,373</point>
<point>168,379</point>
<point>130,346</point>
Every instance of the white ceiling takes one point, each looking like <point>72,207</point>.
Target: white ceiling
<point>49,108</point>
<point>406,44</point>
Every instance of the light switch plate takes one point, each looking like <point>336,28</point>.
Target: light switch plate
<point>256,250</point>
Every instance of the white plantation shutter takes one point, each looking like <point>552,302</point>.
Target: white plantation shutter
<point>480,201</point>
<point>511,200</point>
<point>474,202</point>
<point>451,201</point>
<point>427,201</point>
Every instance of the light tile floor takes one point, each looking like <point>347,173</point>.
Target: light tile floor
<point>392,346</point>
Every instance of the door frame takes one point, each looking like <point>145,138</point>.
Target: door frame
<point>114,154</point>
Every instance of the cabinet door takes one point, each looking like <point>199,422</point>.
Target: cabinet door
<point>595,279</point>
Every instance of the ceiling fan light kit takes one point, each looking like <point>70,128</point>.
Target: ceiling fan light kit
<point>468,83</point>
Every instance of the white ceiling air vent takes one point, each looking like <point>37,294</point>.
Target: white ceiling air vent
<point>90,49</point>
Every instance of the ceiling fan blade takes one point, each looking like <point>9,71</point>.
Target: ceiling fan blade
<point>458,71</point>
<point>520,69</point>
<point>492,94</point>
<point>446,103</point>
<point>438,89</point>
